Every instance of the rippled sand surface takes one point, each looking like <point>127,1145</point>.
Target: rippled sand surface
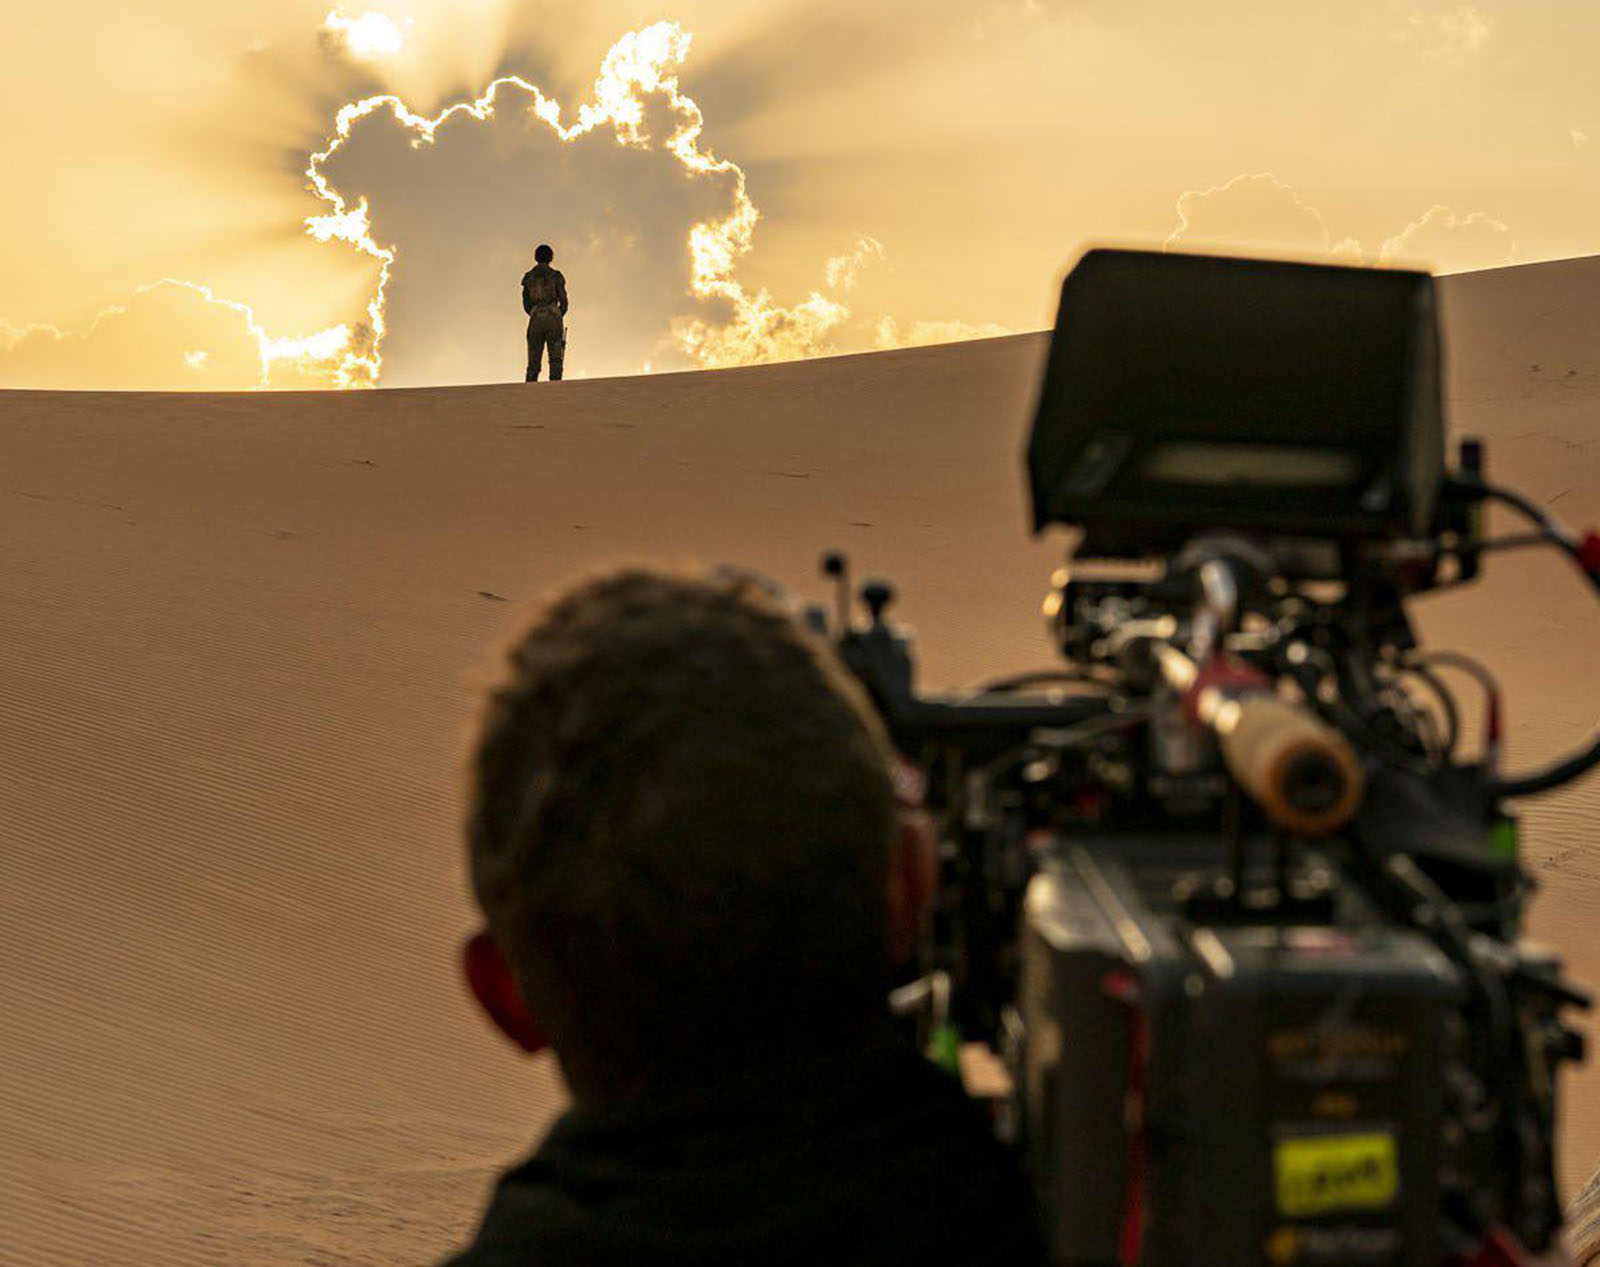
<point>241,638</point>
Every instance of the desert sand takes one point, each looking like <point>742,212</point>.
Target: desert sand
<point>241,642</point>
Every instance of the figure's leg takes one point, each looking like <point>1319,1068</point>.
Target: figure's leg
<point>558,353</point>
<point>533,356</point>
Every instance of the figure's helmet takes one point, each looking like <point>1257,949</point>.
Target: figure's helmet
<point>543,254</point>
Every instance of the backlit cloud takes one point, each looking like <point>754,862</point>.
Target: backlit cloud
<point>890,335</point>
<point>170,336</point>
<point>1443,240</point>
<point>652,228</point>
<point>842,270</point>
<point>369,37</point>
<point>1257,213</point>
<point>1260,215</point>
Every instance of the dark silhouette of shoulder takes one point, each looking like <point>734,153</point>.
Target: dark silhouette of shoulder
<point>537,269</point>
<point>544,287</point>
<point>867,1157</point>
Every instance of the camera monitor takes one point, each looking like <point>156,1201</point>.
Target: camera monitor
<point>1188,391</point>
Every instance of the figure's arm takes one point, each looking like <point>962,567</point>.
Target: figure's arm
<point>563,284</point>
<point>527,305</point>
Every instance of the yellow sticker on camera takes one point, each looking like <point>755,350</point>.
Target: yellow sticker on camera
<point>1318,1174</point>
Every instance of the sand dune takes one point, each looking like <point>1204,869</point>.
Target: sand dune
<point>239,642</point>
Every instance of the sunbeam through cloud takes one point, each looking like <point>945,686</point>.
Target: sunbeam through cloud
<point>637,101</point>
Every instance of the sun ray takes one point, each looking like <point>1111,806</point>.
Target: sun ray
<point>640,65</point>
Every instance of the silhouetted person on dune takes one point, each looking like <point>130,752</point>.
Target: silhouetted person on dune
<point>544,299</point>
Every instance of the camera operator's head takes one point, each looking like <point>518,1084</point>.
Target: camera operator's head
<point>684,837</point>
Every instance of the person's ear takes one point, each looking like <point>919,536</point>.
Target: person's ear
<point>913,876</point>
<point>493,984</point>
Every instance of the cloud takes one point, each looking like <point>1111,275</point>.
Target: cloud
<point>11,335</point>
<point>1445,242</point>
<point>1348,251</point>
<point>651,227</point>
<point>170,336</point>
<point>449,206</point>
<point>761,330</point>
<point>1260,215</point>
<point>654,229</point>
<point>890,335</point>
<point>367,38</point>
<point>1256,213</point>
<point>1579,138</point>
<point>842,270</point>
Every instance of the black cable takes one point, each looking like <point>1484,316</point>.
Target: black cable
<point>1422,663</point>
<point>1061,738</point>
<point>1551,776</point>
<point>1445,927</point>
<point>1041,677</point>
<point>1547,524</point>
<point>1517,542</point>
<point>1458,660</point>
<point>1581,762</point>
<point>1527,508</point>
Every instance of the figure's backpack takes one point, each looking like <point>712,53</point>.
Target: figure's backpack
<point>543,293</point>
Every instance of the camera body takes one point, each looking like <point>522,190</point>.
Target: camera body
<point>1243,927</point>
<point>1244,1092</point>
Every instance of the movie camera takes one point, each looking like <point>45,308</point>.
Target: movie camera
<point>1240,919</point>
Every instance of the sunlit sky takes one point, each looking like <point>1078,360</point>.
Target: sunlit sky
<point>202,196</point>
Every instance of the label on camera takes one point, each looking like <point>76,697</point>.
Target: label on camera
<point>1344,1244</point>
<point>1322,1174</point>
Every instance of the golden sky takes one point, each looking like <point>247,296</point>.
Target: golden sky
<point>203,196</point>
